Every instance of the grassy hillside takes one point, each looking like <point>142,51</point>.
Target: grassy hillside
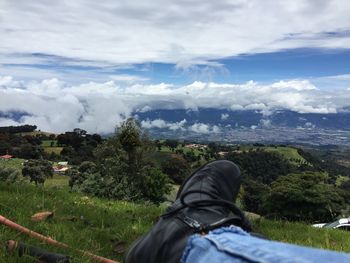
<point>289,153</point>
<point>56,150</point>
<point>50,146</point>
<point>82,222</point>
<point>301,234</point>
<point>99,225</point>
<point>16,163</point>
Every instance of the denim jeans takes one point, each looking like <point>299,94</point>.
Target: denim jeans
<point>232,244</point>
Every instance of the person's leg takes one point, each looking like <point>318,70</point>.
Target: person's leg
<point>232,244</point>
<point>204,201</point>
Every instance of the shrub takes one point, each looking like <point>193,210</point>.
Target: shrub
<point>156,184</point>
<point>120,171</point>
<point>304,196</point>
<point>177,168</point>
<point>254,196</point>
<point>9,175</point>
<point>37,171</point>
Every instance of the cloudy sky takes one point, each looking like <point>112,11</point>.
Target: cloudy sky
<point>90,64</point>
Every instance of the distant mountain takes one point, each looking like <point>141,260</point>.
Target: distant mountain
<point>248,118</point>
<point>282,126</point>
<point>13,115</point>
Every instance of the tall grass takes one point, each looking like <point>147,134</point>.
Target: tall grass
<point>97,225</point>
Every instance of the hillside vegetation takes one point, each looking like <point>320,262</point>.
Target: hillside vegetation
<point>82,222</point>
<point>115,188</point>
<point>100,225</point>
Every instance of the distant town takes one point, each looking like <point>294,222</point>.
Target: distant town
<point>312,136</point>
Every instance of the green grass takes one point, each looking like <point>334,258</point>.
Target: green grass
<point>13,163</point>
<point>185,150</point>
<point>57,181</point>
<point>99,224</point>
<point>289,153</point>
<point>302,234</point>
<point>56,150</point>
<point>165,149</point>
<point>47,143</point>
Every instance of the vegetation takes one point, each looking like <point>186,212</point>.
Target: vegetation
<point>15,163</point>
<point>289,153</point>
<point>254,196</point>
<point>78,146</point>
<point>304,196</point>
<point>280,182</point>
<point>37,171</point>
<point>9,175</point>
<point>88,223</point>
<point>177,168</point>
<point>18,129</point>
<point>261,166</point>
<point>120,170</point>
<point>99,225</point>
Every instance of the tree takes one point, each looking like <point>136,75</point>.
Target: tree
<point>120,170</point>
<point>29,151</point>
<point>156,184</point>
<point>134,143</point>
<point>261,166</point>
<point>254,196</point>
<point>304,196</point>
<point>190,156</point>
<point>18,129</point>
<point>213,147</point>
<point>37,171</point>
<point>129,136</point>
<point>172,144</point>
<point>78,176</point>
<point>177,168</point>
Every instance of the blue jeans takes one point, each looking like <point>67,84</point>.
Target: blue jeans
<point>232,244</point>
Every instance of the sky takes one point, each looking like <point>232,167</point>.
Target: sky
<point>91,64</point>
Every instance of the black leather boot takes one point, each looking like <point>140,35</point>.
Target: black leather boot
<point>204,202</point>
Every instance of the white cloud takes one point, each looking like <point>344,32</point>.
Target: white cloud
<point>127,78</point>
<point>181,125</point>
<point>224,116</point>
<point>161,124</point>
<point>309,125</point>
<point>294,84</point>
<point>265,123</point>
<point>216,129</point>
<point>204,128</point>
<point>54,105</point>
<point>182,32</point>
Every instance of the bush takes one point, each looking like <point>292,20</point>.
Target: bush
<point>111,180</point>
<point>156,184</point>
<point>37,171</point>
<point>120,171</point>
<point>254,196</point>
<point>304,197</point>
<point>9,175</point>
<point>177,168</point>
<point>261,166</point>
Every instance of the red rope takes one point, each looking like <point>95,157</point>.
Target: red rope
<point>13,225</point>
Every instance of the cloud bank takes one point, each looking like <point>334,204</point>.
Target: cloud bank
<point>98,107</point>
<point>103,33</point>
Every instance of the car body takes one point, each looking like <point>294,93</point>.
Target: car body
<point>343,224</point>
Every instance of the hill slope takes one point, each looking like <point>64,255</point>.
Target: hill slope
<point>98,225</point>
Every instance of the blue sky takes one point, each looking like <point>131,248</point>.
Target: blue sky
<point>89,63</point>
<point>306,63</point>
